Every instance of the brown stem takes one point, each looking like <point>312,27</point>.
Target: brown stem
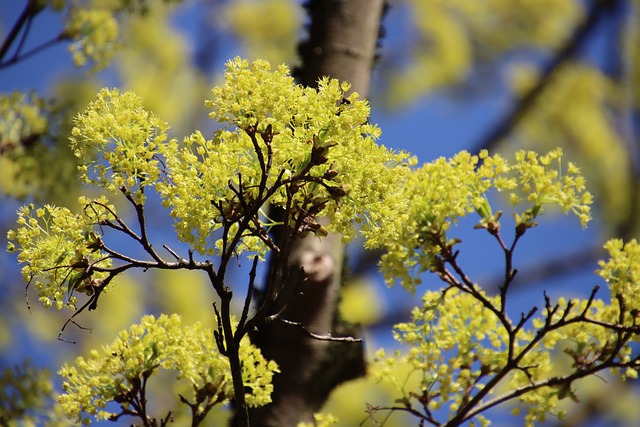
<point>233,353</point>
<point>318,336</point>
<point>24,20</point>
<point>250,288</point>
<point>26,15</point>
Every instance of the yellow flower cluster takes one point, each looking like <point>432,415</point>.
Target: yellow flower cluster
<point>542,184</point>
<point>94,29</point>
<point>127,139</point>
<point>117,372</point>
<point>309,150</point>
<point>452,343</point>
<point>622,273</point>
<point>60,247</point>
<point>22,118</point>
<point>441,192</point>
<point>95,36</point>
<point>458,345</point>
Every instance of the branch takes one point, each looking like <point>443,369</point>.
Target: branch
<point>30,10</point>
<point>467,285</point>
<point>317,336</point>
<point>92,303</point>
<point>139,207</point>
<point>550,382</point>
<point>250,288</point>
<point>509,271</point>
<point>372,409</point>
<point>554,267</point>
<point>175,255</point>
<point>142,398</point>
<point>120,226</point>
<point>474,406</point>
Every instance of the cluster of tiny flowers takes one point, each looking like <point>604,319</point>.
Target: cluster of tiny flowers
<point>435,196</point>
<point>456,345</point>
<point>94,30</point>
<point>544,184</point>
<point>309,150</point>
<point>583,344</point>
<point>127,138</point>
<point>58,247</point>
<point>622,274</point>
<point>457,342</point>
<point>25,394</point>
<point>622,271</point>
<point>321,420</point>
<point>117,371</point>
<point>277,132</point>
<point>21,118</point>
<point>441,192</point>
<point>95,35</point>
<point>452,344</point>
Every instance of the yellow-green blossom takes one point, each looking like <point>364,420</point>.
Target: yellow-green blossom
<point>126,138</point>
<point>543,181</point>
<point>306,148</point>
<point>622,273</point>
<point>22,119</point>
<point>115,373</point>
<point>94,28</point>
<point>321,420</point>
<point>95,35</point>
<point>61,249</point>
<point>435,196</point>
<point>457,346</point>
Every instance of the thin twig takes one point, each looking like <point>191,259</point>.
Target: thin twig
<point>43,46</point>
<point>275,297</point>
<point>27,13</point>
<point>218,334</point>
<point>174,254</point>
<point>317,336</point>
<point>144,240</point>
<point>250,288</point>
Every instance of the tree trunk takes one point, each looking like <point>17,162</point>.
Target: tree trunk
<point>342,43</point>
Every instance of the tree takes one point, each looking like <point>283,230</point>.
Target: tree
<point>301,393</point>
<point>310,152</point>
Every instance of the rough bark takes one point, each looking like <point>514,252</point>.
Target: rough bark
<point>341,43</point>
